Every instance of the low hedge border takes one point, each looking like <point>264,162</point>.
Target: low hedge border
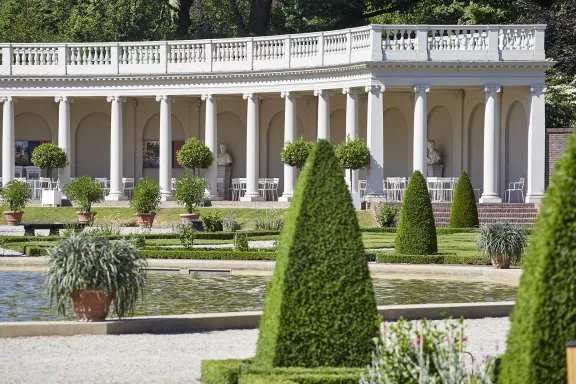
<point>209,255</point>
<point>445,258</point>
<point>242,372</point>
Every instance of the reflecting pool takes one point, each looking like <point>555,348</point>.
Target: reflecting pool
<point>23,294</point>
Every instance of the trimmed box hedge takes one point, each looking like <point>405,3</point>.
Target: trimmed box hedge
<point>244,372</point>
<point>445,258</point>
<point>209,255</point>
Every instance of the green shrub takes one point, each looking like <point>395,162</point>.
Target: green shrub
<point>146,196</point>
<point>186,235</point>
<point>36,251</point>
<point>386,213</point>
<point>416,228</point>
<point>16,194</point>
<point>230,223</point>
<point>191,191</point>
<point>502,239</point>
<point>49,156</point>
<point>194,254</point>
<point>241,242</point>
<point>320,308</point>
<point>212,222</point>
<point>295,154</point>
<point>84,191</point>
<point>137,240</point>
<point>463,212</point>
<point>446,258</point>
<point>544,319</point>
<point>195,154</point>
<point>271,220</point>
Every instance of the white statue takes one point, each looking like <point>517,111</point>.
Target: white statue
<point>433,156</point>
<point>224,158</point>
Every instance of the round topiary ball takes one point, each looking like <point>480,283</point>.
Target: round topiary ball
<point>195,154</point>
<point>295,154</point>
<point>49,156</point>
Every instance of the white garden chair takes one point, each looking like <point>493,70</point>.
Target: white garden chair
<point>515,187</point>
<point>362,187</point>
<point>128,186</point>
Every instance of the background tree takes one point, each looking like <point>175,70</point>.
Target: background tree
<point>353,155</point>
<point>295,154</point>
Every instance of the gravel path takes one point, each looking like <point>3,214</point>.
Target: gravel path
<point>159,358</point>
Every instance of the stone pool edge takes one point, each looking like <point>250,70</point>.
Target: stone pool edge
<point>206,322</point>
<point>265,268</point>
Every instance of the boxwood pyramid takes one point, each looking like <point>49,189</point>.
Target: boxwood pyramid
<point>320,308</point>
<point>463,212</point>
<point>544,317</point>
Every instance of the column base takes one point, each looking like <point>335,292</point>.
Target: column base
<point>167,197</point>
<point>115,197</point>
<point>286,197</point>
<point>534,198</point>
<point>490,199</point>
<point>252,198</point>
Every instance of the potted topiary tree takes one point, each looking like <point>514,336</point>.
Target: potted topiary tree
<point>295,154</point>
<point>194,155</point>
<point>49,156</point>
<point>84,191</point>
<point>145,200</point>
<point>502,242</point>
<point>353,155</point>
<point>16,194</point>
<point>190,191</point>
<point>94,273</point>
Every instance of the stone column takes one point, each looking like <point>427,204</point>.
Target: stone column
<point>252,173</point>
<point>323,113</point>
<point>211,140</point>
<point>290,126</point>
<point>116,146</point>
<point>351,128</point>
<point>536,145</point>
<point>64,136</point>
<point>165,147</point>
<point>419,160</point>
<point>375,142</point>
<point>490,195</point>
<point>8,140</point>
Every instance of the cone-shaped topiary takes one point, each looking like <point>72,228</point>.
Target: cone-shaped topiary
<point>544,317</point>
<point>320,308</point>
<point>463,212</point>
<point>416,234</point>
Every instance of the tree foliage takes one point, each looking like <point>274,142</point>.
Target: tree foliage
<point>195,154</point>
<point>49,156</point>
<point>295,154</point>
<point>353,154</point>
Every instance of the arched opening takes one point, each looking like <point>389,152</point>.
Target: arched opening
<point>516,143</point>
<point>232,132</point>
<point>440,130</point>
<point>93,145</point>
<point>150,146</point>
<point>397,144</point>
<point>31,130</point>
<point>476,146</point>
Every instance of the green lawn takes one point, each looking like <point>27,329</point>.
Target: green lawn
<point>164,218</point>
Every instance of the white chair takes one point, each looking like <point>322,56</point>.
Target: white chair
<point>18,172</point>
<point>128,186</point>
<point>362,187</point>
<point>33,173</point>
<point>515,186</point>
<point>103,184</point>
<point>434,188</point>
<point>271,188</point>
<point>262,188</point>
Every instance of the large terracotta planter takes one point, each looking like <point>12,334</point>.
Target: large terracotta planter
<point>13,218</point>
<point>91,304</point>
<point>188,217</point>
<point>498,261</point>
<point>86,217</point>
<point>145,220</point>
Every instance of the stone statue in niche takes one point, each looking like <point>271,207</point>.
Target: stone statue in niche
<point>434,156</point>
<point>224,158</point>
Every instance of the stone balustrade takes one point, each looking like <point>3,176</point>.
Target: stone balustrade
<point>356,45</point>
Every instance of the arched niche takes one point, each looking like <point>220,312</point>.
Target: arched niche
<point>397,144</point>
<point>274,144</point>
<point>93,145</point>
<point>151,132</point>
<point>476,146</point>
<point>516,143</point>
<point>30,130</point>
<point>441,130</point>
<point>338,126</point>
<point>232,132</point>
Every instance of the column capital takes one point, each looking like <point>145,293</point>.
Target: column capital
<point>375,88</point>
<point>166,98</point>
<point>117,99</point>
<point>251,95</point>
<point>459,94</point>
<point>9,99</point>
<point>208,96</point>
<point>421,88</point>
<point>349,90</point>
<point>538,88</point>
<point>63,99</point>
<point>492,88</point>
<point>323,92</point>
<point>285,94</point>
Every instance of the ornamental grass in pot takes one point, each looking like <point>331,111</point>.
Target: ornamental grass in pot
<point>502,242</point>
<point>145,200</point>
<point>15,194</point>
<point>190,191</point>
<point>95,273</point>
<point>84,191</point>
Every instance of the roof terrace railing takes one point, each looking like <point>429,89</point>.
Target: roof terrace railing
<point>356,45</point>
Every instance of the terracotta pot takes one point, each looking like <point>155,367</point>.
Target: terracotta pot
<point>498,261</point>
<point>86,217</point>
<point>145,220</point>
<point>188,217</point>
<point>13,218</point>
<point>91,304</point>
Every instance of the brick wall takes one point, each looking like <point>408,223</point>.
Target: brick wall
<point>556,139</point>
